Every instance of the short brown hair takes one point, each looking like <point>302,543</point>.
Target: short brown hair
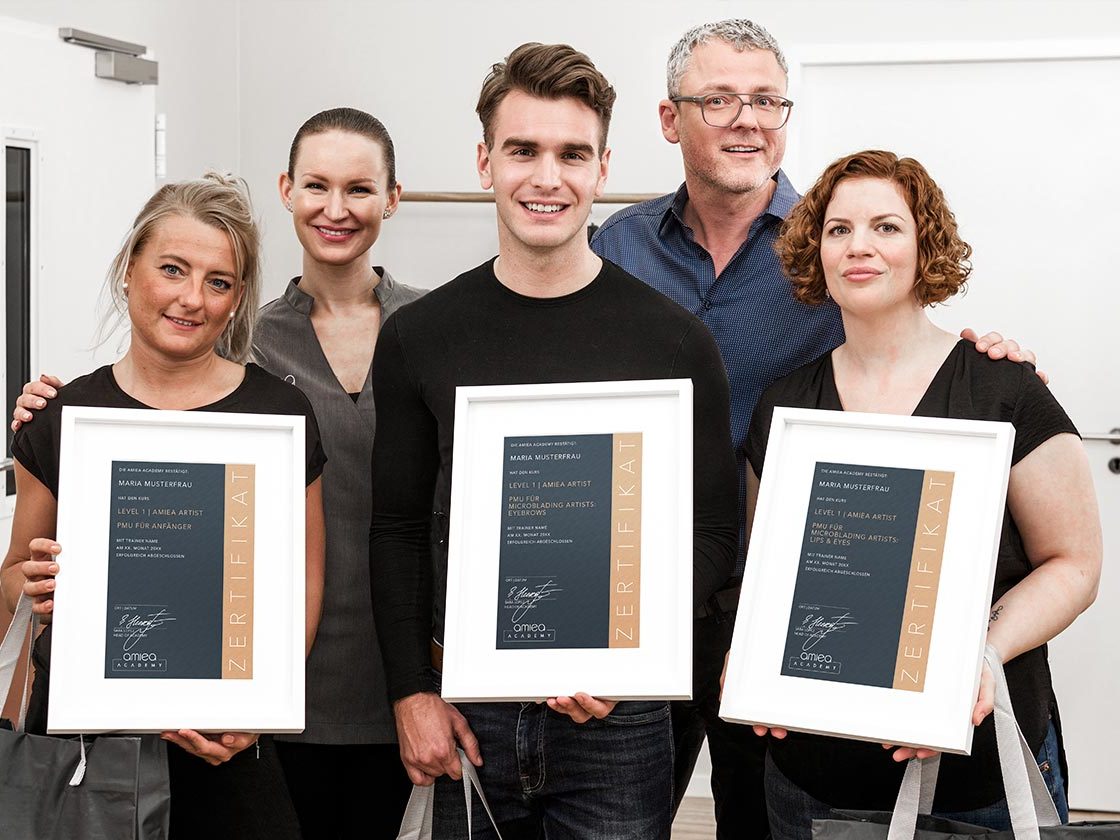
<point>547,71</point>
<point>943,265</point>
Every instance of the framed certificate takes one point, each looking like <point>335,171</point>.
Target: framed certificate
<point>869,577</point>
<point>570,554</point>
<point>180,600</point>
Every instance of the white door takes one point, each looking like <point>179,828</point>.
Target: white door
<point>1023,140</point>
<point>76,164</point>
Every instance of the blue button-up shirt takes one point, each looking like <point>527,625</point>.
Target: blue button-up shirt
<point>762,331</point>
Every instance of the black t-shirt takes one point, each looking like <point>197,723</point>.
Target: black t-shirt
<point>36,446</point>
<point>969,386</point>
<point>475,331</point>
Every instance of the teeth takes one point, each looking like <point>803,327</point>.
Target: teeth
<point>333,231</point>
<point>742,148</point>
<point>544,208</point>
<point>181,321</point>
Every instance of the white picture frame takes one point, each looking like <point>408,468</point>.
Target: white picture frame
<point>486,519</point>
<point>822,536</point>
<point>244,656</point>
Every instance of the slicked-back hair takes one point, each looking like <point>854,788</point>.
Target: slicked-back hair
<point>943,257</point>
<point>221,202</point>
<point>546,71</point>
<point>353,121</point>
<point>740,33</point>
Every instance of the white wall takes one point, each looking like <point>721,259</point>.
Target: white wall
<point>196,44</point>
<point>419,65</point>
<point>238,78</point>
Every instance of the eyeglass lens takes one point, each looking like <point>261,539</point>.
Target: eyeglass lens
<point>721,110</point>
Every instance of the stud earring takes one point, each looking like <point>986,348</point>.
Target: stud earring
<point>289,206</point>
<point>386,215</point>
<point>232,314</point>
<point>125,285</point>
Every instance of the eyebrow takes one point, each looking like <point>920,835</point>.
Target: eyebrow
<point>518,143</point>
<point>315,177</point>
<point>878,218</point>
<point>725,87</point>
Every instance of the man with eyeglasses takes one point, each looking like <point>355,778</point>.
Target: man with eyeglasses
<point>709,247</point>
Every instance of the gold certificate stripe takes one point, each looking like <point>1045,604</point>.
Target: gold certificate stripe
<point>626,540</point>
<point>237,591</point>
<point>925,575</point>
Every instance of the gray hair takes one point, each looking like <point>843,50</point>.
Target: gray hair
<point>222,202</point>
<point>740,33</point>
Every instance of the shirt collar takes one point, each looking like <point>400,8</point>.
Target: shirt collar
<point>300,301</point>
<point>785,196</point>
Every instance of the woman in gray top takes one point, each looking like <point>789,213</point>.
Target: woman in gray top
<point>344,771</point>
<point>340,186</point>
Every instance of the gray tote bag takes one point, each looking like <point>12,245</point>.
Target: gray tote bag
<point>1033,816</point>
<point>104,788</point>
<point>417,821</point>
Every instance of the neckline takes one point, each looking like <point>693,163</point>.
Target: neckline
<point>207,407</point>
<point>942,371</point>
<point>561,300</point>
<point>302,302</point>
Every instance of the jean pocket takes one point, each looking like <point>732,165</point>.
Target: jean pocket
<point>637,713</point>
<point>1049,758</point>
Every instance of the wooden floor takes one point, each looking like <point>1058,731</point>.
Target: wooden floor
<point>695,821</point>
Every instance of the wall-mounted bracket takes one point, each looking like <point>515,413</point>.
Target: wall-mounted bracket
<point>115,59</point>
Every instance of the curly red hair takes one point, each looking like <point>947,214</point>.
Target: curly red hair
<point>943,257</point>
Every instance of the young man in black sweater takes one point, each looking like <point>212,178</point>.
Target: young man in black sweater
<point>546,309</point>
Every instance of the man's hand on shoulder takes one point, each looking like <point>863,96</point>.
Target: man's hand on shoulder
<point>998,347</point>
<point>430,732</point>
<point>35,395</point>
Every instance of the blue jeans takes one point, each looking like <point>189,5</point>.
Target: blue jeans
<point>548,777</point>
<point>792,810</point>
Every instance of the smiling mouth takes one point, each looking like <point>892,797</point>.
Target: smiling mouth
<point>183,322</point>
<point>334,233</point>
<point>544,209</point>
<point>739,150</point>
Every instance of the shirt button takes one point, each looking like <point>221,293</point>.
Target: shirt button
<point>707,305</point>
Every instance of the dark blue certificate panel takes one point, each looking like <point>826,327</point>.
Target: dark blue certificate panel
<point>854,572</point>
<point>166,565</point>
<point>555,562</point>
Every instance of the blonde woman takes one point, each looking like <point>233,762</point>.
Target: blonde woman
<point>187,278</point>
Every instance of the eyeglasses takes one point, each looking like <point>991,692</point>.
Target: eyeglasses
<point>720,110</point>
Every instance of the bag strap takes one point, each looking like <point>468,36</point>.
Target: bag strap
<point>1028,800</point>
<point>10,648</point>
<point>417,821</point>
<point>915,796</point>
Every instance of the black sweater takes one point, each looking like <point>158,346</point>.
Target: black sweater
<point>475,331</point>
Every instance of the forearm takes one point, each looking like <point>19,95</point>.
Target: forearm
<point>1040,606</point>
<point>35,516</point>
<point>1052,502</point>
<point>315,562</point>
<point>401,592</point>
<point>11,581</point>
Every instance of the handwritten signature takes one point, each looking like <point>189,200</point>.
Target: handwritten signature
<point>139,626</point>
<point>527,597</point>
<point>818,627</point>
